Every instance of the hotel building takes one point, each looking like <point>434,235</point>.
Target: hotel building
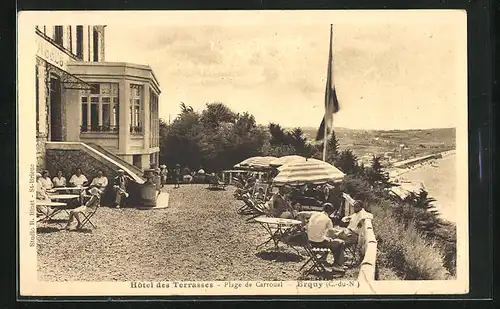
<point>106,109</point>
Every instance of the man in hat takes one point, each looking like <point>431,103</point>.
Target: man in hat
<point>120,187</point>
<point>94,196</point>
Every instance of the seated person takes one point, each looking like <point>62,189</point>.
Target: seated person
<point>59,180</point>
<point>250,182</point>
<point>120,187</point>
<point>187,178</point>
<point>41,195</point>
<point>291,212</point>
<point>78,179</point>
<point>319,229</point>
<point>89,205</point>
<point>280,205</point>
<point>355,221</point>
<point>260,194</point>
<point>100,181</point>
<point>45,180</point>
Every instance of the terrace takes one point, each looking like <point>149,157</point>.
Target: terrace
<point>199,237</point>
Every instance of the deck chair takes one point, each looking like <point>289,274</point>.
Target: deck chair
<point>315,257</point>
<point>258,209</point>
<point>92,205</point>
<point>238,183</point>
<point>215,183</point>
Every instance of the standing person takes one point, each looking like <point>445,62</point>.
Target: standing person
<point>157,181</point>
<point>78,179</point>
<point>163,174</point>
<point>319,228</point>
<point>120,187</point>
<point>178,176</point>
<point>45,180</point>
<point>100,181</point>
<point>59,180</point>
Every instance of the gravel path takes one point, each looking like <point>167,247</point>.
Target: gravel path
<point>199,237</point>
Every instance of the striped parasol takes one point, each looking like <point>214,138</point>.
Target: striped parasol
<point>309,171</point>
<point>256,162</point>
<point>287,159</point>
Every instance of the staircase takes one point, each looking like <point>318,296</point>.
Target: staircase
<point>70,155</point>
<point>108,153</point>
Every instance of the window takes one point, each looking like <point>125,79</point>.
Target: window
<point>79,42</point>
<point>135,108</point>
<point>96,46</point>
<point>136,161</point>
<point>103,113</point>
<point>94,115</point>
<point>58,35</point>
<point>153,119</point>
<point>70,39</point>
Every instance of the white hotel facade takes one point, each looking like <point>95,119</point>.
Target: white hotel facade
<point>82,98</point>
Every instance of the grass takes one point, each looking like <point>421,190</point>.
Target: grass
<point>199,237</point>
<point>404,250</point>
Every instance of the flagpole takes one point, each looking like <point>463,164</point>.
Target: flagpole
<point>325,140</point>
<point>325,137</point>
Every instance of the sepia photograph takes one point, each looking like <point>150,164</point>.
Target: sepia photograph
<point>230,153</point>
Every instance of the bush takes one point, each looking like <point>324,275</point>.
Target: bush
<point>404,249</point>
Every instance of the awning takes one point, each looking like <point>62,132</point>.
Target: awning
<point>68,80</point>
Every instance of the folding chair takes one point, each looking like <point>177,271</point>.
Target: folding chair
<point>258,209</point>
<point>352,253</point>
<point>93,204</point>
<point>316,257</point>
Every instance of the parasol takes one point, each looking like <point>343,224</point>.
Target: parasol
<point>309,171</point>
<point>256,162</point>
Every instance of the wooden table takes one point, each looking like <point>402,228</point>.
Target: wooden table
<point>276,228</point>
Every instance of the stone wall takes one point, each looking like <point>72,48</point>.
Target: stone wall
<point>40,153</point>
<point>68,160</point>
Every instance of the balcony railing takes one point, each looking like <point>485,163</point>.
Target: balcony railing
<point>136,129</point>
<point>100,129</point>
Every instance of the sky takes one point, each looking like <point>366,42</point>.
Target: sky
<point>390,73</point>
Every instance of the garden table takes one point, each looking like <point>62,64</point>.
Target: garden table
<point>79,189</point>
<point>57,205</point>
<point>276,228</point>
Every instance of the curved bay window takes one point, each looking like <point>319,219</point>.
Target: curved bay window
<point>135,108</point>
<point>100,109</point>
<point>153,119</point>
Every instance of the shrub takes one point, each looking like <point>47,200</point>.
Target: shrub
<point>404,249</point>
<point>424,260</point>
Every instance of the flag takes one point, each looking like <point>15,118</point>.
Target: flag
<point>331,101</point>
